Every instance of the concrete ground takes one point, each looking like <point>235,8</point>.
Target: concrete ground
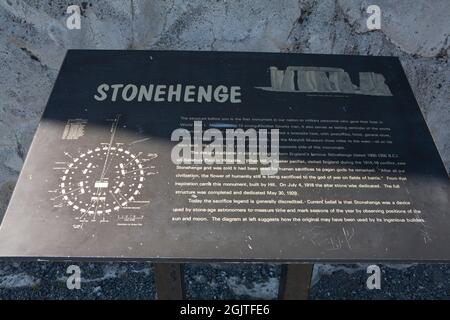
<point>33,41</point>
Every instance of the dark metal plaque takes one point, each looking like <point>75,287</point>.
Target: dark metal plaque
<point>358,177</point>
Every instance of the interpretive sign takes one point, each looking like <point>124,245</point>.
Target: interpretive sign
<point>224,156</point>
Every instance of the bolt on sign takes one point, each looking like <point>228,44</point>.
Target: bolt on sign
<point>160,155</point>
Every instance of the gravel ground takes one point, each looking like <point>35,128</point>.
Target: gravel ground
<point>40,280</point>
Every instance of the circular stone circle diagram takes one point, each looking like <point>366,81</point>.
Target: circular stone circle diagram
<point>102,180</point>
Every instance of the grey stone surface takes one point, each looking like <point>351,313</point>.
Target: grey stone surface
<point>33,41</point>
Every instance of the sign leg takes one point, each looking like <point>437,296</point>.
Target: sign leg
<point>295,281</point>
<point>169,281</point>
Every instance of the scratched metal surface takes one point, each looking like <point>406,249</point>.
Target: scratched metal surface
<point>35,226</point>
